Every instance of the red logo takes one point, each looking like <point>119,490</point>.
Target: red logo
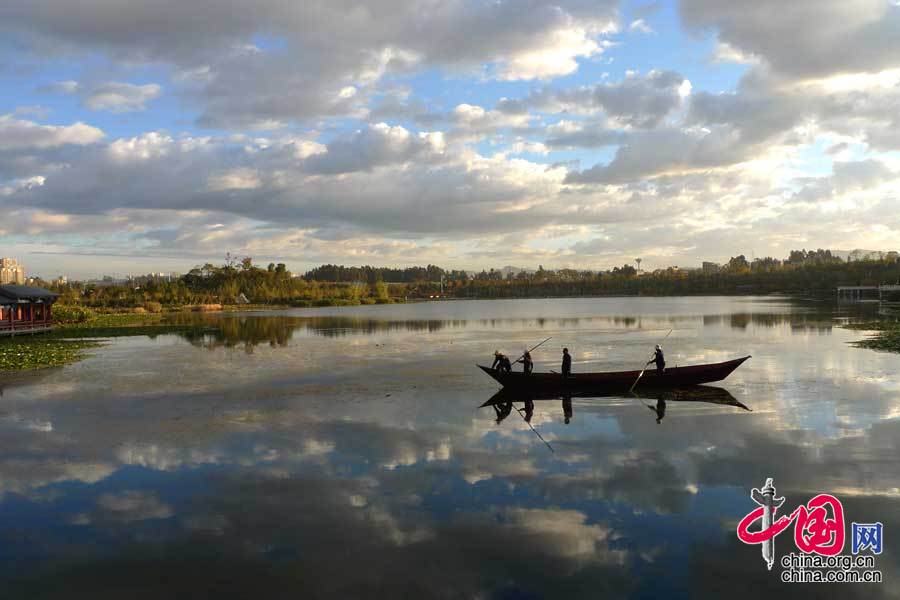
<point>818,525</point>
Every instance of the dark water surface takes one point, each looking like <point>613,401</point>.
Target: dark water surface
<point>341,453</point>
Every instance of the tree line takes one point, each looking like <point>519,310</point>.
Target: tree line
<point>237,281</point>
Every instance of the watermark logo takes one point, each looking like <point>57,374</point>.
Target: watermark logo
<point>819,533</point>
<point>866,536</point>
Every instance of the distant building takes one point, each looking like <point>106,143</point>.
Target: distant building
<point>11,272</point>
<point>106,280</point>
<point>137,280</point>
<point>61,280</point>
<point>710,267</point>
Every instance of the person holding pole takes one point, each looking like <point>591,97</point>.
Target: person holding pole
<point>566,363</point>
<point>659,359</point>
<point>527,363</point>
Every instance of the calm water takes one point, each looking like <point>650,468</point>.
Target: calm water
<point>341,453</point>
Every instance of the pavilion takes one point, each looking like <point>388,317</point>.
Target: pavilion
<point>25,309</point>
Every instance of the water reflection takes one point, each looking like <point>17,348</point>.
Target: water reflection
<point>659,410</point>
<point>503,401</point>
<point>333,467</point>
<point>242,329</point>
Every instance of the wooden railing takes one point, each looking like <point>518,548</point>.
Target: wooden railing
<point>10,326</point>
<point>16,327</point>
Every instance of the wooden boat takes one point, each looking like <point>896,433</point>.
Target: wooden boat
<point>616,381</point>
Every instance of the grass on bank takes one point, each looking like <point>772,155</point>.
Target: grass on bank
<point>886,337</point>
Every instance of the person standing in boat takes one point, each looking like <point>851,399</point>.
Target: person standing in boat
<point>527,363</point>
<point>566,363</point>
<point>659,359</point>
<point>501,362</point>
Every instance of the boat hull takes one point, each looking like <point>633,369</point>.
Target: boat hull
<point>618,381</point>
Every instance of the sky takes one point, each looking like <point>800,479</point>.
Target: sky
<point>155,136</point>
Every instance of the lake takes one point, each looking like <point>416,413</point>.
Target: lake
<point>341,453</point>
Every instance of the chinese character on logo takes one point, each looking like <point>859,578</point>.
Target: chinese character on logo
<point>866,535</point>
<point>818,525</point>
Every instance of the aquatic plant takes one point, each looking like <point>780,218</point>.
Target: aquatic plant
<point>885,336</point>
<point>36,352</point>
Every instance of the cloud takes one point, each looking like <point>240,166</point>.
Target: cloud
<point>387,194</point>
<point>397,104</point>
<point>756,115</point>
<point>580,134</point>
<point>321,49</point>
<point>68,86</point>
<point>379,179</point>
<point>555,57</point>
<point>339,136</point>
<point>640,26</point>
<point>636,101</point>
<point>20,134</point>
<point>847,177</point>
<point>809,38</point>
<point>121,97</point>
<point>235,179</point>
<point>652,153</point>
<point>763,115</point>
<point>473,119</point>
<point>133,505</point>
<point>22,475</point>
<point>374,146</point>
<point>112,96</point>
<point>562,533</point>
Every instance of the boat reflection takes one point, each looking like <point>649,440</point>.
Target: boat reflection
<point>504,401</point>
<point>504,408</point>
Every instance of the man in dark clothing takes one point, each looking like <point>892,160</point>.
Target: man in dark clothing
<point>527,363</point>
<point>566,363</point>
<point>659,359</point>
<point>501,362</point>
